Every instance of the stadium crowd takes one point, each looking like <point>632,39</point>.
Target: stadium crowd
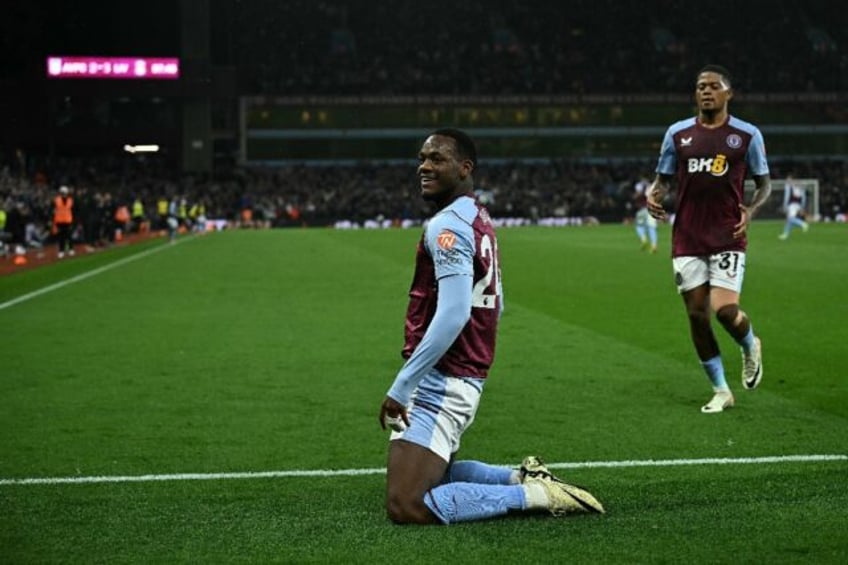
<point>324,196</point>
<point>332,47</point>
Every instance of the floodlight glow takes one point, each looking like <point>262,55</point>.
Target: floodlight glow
<point>141,148</point>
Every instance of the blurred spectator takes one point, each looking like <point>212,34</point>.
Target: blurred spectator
<point>298,195</point>
<point>534,47</point>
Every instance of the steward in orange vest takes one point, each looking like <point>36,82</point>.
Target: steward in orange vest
<point>63,220</point>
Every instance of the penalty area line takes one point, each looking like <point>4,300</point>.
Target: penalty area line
<point>380,471</point>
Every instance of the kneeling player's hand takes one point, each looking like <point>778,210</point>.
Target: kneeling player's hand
<point>393,414</point>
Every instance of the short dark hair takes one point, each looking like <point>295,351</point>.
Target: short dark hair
<point>465,146</point>
<point>717,69</point>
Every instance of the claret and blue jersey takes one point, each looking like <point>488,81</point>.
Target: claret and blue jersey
<point>710,165</point>
<point>458,241</point>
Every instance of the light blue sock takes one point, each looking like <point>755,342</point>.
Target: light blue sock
<point>747,342</point>
<point>715,372</point>
<point>464,502</point>
<point>478,472</point>
<point>787,227</point>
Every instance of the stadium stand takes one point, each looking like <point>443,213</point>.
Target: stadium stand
<point>535,47</point>
<point>498,48</point>
<point>321,196</point>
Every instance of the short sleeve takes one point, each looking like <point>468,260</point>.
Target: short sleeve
<point>756,157</point>
<point>667,164</point>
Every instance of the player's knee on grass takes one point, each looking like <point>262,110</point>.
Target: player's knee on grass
<point>404,509</point>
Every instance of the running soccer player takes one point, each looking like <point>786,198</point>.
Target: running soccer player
<point>646,225</point>
<point>455,303</point>
<point>710,155</point>
<point>794,204</point>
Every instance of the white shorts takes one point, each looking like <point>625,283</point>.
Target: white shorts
<point>442,408</point>
<point>725,270</point>
<point>793,210</point>
<point>644,218</point>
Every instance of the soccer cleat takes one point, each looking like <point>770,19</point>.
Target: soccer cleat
<point>752,366</point>
<point>566,499</point>
<point>534,467</point>
<point>720,400</point>
<point>783,236</point>
<point>563,498</point>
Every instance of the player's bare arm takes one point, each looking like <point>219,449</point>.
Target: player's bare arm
<point>655,195</point>
<point>762,191</point>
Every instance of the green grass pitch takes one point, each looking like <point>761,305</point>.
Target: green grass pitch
<point>259,351</point>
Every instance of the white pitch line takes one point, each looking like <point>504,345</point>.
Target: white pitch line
<point>708,461</point>
<point>380,471</point>
<point>83,276</point>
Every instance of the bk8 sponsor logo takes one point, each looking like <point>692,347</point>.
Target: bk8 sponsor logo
<point>716,166</point>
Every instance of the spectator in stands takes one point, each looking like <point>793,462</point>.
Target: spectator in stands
<point>532,47</point>
<point>16,220</point>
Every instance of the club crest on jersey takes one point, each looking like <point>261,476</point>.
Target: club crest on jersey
<point>446,240</point>
<point>734,141</point>
<point>716,166</point>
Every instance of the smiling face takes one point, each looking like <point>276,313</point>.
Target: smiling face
<point>712,92</point>
<point>443,173</point>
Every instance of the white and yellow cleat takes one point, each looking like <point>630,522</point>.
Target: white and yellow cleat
<point>553,494</point>
<point>561,498</point>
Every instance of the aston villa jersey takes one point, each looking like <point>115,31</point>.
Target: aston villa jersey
<point>458,241</point>
<point>710,165</point>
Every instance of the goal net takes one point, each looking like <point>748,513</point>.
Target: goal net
<point>773,207</point>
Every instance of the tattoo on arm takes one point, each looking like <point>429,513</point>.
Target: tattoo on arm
<point>761,192</point>
<point>661,183</point>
